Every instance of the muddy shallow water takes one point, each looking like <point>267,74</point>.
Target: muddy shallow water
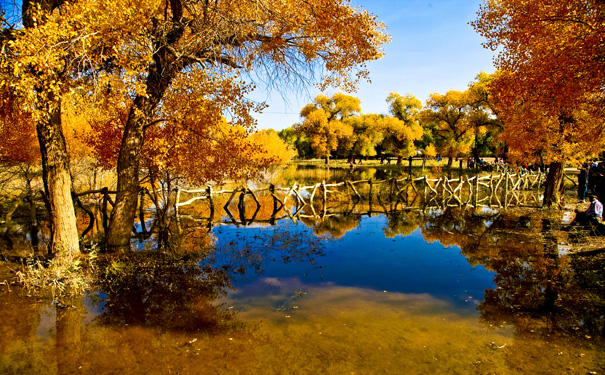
<point>355,299</point>
<point>415,291</point>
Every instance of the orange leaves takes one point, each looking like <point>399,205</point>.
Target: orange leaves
<point>549,88</point>
<point>190,59</point>
<point>17,131</point>
<point>272,150</point>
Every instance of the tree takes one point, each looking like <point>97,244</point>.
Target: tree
<point>273,151</point>
<point>402,130</point>
<point>450,112</point>
<point>300,142</point>
<point>368,134</point>
<point>325,123</point>
<point>287,38</point>
<point>36,65</point>
<point>549,88</point>
<point>151,45</point>
<point>483,116</point>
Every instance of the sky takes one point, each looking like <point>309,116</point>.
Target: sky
<point>433,49</point>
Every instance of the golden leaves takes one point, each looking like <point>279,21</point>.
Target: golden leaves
<point>551,74</point>
<point>97,57</point>
<point>325,122</point>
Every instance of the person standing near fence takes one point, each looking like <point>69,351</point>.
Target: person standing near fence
<point>582,182</point>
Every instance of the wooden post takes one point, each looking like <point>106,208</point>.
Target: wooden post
<point>354,190</point>
<point>209,193</point>
<point>476,190</point>
<point>231,197</point>
<point>325,191</point>
<point>491,188</point>
<point>272,191</point>
<point>176,202</point>
<point>370,197</point>
<point>142,210</point>
<point>506,191</point>
<point>325,196</point>
<point>426,182</point>
<point>104,209</point>
<point>241,205</point>
<point>348,189</point>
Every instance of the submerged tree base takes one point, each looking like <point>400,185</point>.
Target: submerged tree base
<point>63,278</point>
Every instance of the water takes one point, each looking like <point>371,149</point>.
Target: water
<point>432,291</point>
<point>363,258</point>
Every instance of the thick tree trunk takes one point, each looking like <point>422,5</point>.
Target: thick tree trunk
<point>124,211</point>
<point>57,184</point>
<point>161,71</point>
<point>33,219</point>
<point>122,217</point>
<point>554,182</point>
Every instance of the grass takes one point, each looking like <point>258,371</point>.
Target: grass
<point>62,278</point>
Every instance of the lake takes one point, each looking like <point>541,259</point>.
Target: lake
<point>414,290</point>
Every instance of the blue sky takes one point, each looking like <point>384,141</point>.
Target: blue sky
<point>433,49</point>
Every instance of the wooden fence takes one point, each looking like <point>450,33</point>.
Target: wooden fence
<point>502,190</point>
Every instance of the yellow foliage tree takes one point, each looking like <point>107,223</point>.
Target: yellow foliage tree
<point>403,129</point>
<point>549,90</point>
<point>273,151</point>
<point>451,113</point>
<point>149,45</point>
<point>325,122</point>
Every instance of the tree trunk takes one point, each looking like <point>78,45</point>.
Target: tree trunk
<point>57,183</point>
<point>33,220</point>
<point>122,217</point>
<point>554,183</point>
<point>55,159</point>
<point>450,160</point>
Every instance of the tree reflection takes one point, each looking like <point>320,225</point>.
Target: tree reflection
<point>538,289</point>
<point>241,252</point>
<point>335,226</point>
<point>162,290</point>
<point>402,223</point>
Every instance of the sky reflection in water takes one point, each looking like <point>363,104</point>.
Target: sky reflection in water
<point>362,258</point>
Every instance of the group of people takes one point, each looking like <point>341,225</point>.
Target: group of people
<point>591,177</point>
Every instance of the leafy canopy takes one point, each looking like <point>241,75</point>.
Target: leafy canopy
<point>548,91</point>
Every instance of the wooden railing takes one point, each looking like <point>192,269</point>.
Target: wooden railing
<point>502,190</point>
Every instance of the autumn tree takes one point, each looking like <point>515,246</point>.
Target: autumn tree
<point>325,122</point>
<point>549,88</point>
<point>285,38</point>
<point>299,141</point>
<point>272,151</point>
<point>36,80</point>
<point>403,129</point>
<point>450,112</point>
<point>367,134</point>
<point>482,116</point>
<point>150,45</point>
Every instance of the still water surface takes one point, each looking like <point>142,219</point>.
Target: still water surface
<point>414,292</point>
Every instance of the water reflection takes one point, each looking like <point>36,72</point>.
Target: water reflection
<point>162,290</point>
<point>430,291</point>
